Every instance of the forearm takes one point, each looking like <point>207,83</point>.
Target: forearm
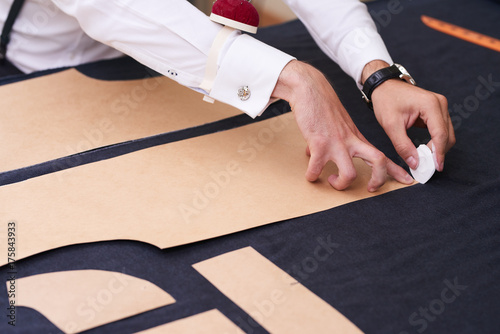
<point>344,30</point>
<point>174,38</point>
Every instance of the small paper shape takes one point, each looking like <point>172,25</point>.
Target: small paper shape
<point>79,300</point>
<point>426,166</point>
<point>272,297</point>
<point>210,322</point>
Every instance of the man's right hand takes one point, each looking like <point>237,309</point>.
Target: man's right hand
<point>329,131</point>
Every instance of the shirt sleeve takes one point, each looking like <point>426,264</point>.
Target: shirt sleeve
<point>344,30</point>
<point>174,38</point>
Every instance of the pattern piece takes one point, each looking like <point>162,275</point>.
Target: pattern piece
<point>78,300</point>
<point>178,193</point>
<point>272,297</point>
<point>210,322</point>
<point>66,113</point>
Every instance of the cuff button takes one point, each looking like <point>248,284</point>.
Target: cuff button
<point>244,93</point>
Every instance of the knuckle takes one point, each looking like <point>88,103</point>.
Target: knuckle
<point>379,158</point>
<point>452,140</point>
<point>442,99</point>
<point>442,136</point>
<point>434,101</point>
<point>315,169</point>
<point>319,143</point>
<point>349,175</point>
<point>402,149</point>
<point>391,122</point>
<point>374,184</point>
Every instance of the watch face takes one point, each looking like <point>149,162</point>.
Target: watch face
<point>405,75</point>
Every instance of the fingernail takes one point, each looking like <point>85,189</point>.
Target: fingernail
<point>408,178</point>
<point>441,167</point>
<point>412,162</point>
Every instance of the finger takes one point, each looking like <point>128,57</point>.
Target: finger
<point>347,172</point>
<point>451,131</point>
<point>451,142</point>
<point>432,147</point>
<point>439,130</point>
<point>377,161</point>
<point>315,166</point>
<point>308,152</point>
<point>398,173</point>
<point>451,136</point>
<point>395,171</point>
<point>403,145</point>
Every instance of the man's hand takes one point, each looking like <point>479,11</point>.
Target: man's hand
<point>399,106</point>
<point>329,131</point>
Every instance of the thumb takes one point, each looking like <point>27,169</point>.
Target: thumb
<point>404,146</point>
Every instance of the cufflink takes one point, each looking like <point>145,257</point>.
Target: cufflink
<point>244,93</point>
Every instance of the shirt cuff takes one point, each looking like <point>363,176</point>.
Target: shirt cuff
<point>250,64</point>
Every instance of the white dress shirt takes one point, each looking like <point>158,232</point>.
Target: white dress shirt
<point>174,38</point>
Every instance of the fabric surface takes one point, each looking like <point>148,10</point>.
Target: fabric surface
<point>424,259</point>
<point>7,69</point>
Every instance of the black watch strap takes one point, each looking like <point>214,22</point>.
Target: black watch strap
<point>377,78</point>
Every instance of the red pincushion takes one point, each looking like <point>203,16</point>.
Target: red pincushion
<point>240,11</point>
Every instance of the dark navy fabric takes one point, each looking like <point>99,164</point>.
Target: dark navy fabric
<point>7,69</point>
<point>424,259</point>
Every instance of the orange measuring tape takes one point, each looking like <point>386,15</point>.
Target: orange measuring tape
<point>462,33</point>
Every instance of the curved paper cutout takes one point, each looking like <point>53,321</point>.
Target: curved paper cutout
<point>178,193</point>
<point>210,322</point>
<point>67,112</point>
<point>78,300</point>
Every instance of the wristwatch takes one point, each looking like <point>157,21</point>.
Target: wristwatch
<point>392,72</point>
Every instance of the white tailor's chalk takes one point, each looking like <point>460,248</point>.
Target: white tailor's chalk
<point>426,167</point>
